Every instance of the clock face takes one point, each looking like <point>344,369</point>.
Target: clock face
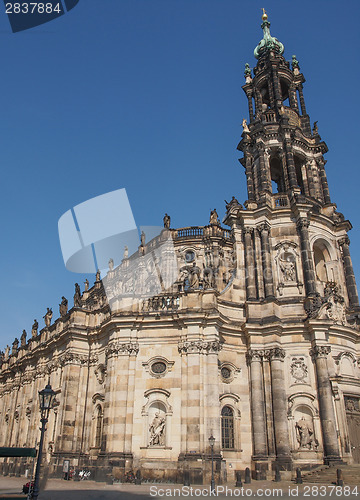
<point>189,256</point>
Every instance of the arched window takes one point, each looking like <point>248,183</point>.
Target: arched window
<point>227,427</point>
<point>277,177</point>
<point>98,426</point>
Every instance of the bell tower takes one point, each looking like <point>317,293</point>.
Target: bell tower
<point>295,275</point>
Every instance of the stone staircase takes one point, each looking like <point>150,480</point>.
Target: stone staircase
<point>327,475</point>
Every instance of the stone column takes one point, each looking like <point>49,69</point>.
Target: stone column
<point>271,94</point>
<point>349,272</point>
<point>249,176</point>
<point>264,230</point>
<point>327,413</point>
<point>279,400</point>
<point>293,183</point>
<point>70,389</point>
<point>259,273</point>
<point>302,100</point>
<point>307,262</point>
<point>249,264</point>
<point>257,401</point>
<point>292,98</point>
<point>323,180</point>
<point>250,104</point>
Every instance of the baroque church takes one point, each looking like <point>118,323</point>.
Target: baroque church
<point>255,342</point>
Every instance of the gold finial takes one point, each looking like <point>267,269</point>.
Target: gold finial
<point>264,16</point>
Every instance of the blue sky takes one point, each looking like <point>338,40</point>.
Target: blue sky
<point>146,95</point>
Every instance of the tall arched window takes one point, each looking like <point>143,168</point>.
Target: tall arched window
<point>227,427</point>
<point>98,427</point>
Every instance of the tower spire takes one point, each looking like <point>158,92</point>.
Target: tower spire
<point>268,42</point>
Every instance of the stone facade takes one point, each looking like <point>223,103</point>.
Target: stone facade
<point>256,342</point>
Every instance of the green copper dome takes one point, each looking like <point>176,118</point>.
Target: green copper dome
<point>268,42</point>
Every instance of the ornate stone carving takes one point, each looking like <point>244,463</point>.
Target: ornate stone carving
<point>199,347</point>
<point>100,373</point>
<point>264,227</point>
<point>344,241</point>
<point>122,348</point>
<point>255,355</point>
<point>331,306</point>
<point>194,277</point>
<point>303,223</point>
<point>298,370</point>
<point>320,351</point>
<point>352,405</point>
<point>276,353</point>
<point>157,430</point>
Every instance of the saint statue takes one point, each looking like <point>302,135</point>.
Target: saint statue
<point>304,433</point>
<point>63,307</point>
<point>214,217</point>
<point>142,238</point>
<point>86,283</point>
<point>98,275</point>
<point>34,329</point>
<point>23,339</point>
<point>126,252</point>
<point>111,264</point>
<point>157,430</point>
<point>166,221</point>
<point>48,317</point>
<point>245,126</point>
<point>77,296</point>
<point>194,276</point>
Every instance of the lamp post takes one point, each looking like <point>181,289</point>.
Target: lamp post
<point>212,442</point>
<point>47,397</point>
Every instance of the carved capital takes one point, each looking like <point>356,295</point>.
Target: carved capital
<point>344,241</point>
<point>320,351</point>
<point>264,227</point>
<point>122,348</point>
<point>303,223</point>
<point>255,355</point>
<point>276,353</point>
<point>199,347</point>
<point>248,230</point>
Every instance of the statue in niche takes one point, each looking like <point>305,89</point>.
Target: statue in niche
<point>77,296</point>
<point>48,317</point>
<point>157,431</point>
<point>86,283</point>
<point>23,339</point>
<point>166,221</point>
<point>304,434</point>
<point>34,329</point>
<point>63,307</point>
<point>287,268</point>
<point>209,278</point>
<point>194,276</point>
<point>214,219</point>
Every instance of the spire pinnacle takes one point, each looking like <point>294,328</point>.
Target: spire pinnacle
<point>268,42</point>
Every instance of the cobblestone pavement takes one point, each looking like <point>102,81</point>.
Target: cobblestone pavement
<point>57,489</point>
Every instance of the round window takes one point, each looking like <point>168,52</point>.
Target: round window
<point>158,367</point>
<point>225,372</point>
<point>189,256</point>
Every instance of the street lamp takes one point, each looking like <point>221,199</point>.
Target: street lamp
<point>46,397</point>
<point>212,442</point>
